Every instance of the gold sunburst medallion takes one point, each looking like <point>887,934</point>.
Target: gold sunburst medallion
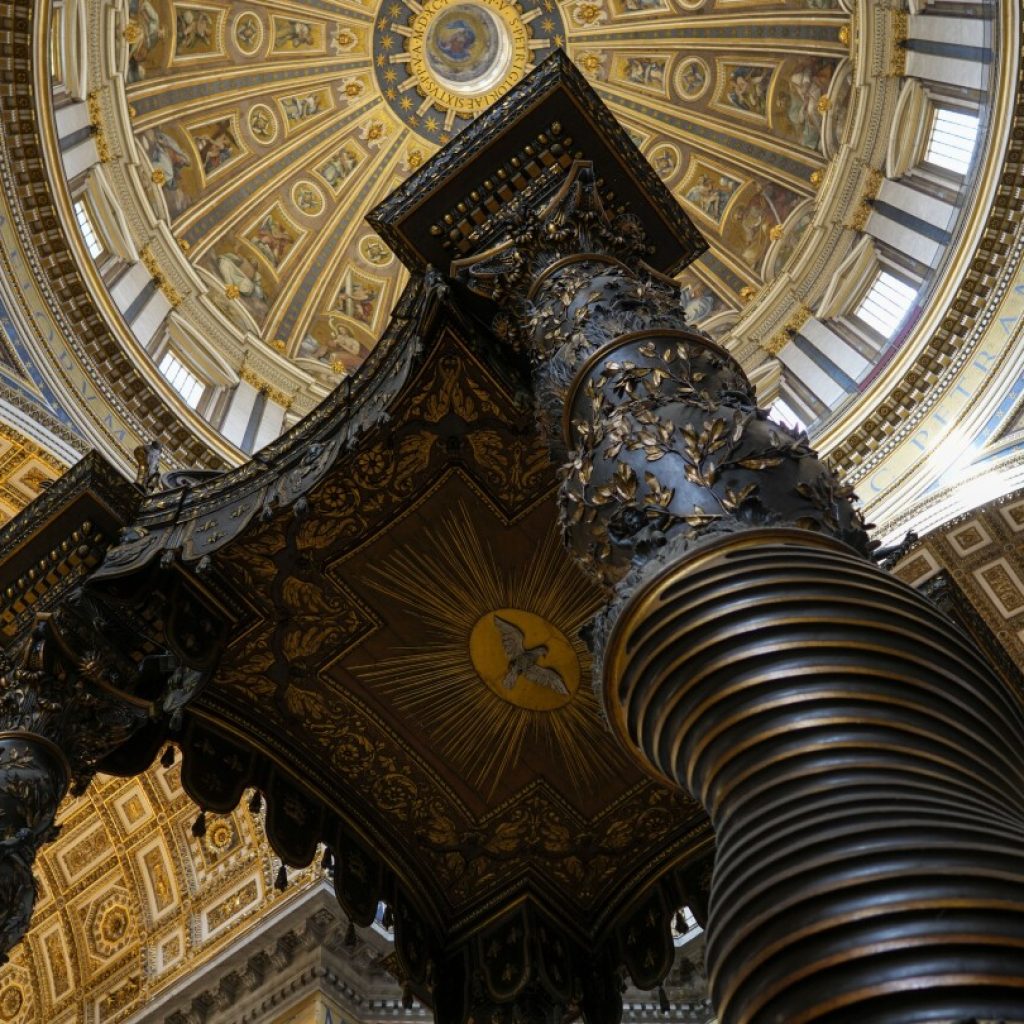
<point>524,659</point>
<point>498,676</point>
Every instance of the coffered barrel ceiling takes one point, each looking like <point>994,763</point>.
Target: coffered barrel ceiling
<point>131,901</point>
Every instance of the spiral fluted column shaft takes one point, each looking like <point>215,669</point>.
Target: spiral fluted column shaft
<point>861,763</point>
<point>864,771</point>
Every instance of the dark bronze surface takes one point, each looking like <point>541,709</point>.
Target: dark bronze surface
<point>520,149</point>
<point>863,768</point>
<point>81,674</point>
<point>860,761</point>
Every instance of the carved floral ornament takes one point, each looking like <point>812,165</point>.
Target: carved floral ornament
<point>66,703</point>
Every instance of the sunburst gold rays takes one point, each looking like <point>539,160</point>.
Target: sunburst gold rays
<point>451,581</point>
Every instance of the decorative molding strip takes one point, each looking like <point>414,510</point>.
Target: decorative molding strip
<point>150,262</point>
<point>777,342</point>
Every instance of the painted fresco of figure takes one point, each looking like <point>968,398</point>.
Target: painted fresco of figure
<point>272,239</point>
<point>339,342</point>
<point>748,89</point>
<point>711,198</point>
<point>339,167</point>
<point>217,146</point>
<point>299,108</point>
<point>193,29</point>
<point>645,70</point>
<point>456,40</point>
<point>151,33</point>
<point>294,35</point>
<point>806,84</point>
<point>170,159</point>
<point>240,273</point>
<point>697,300</point>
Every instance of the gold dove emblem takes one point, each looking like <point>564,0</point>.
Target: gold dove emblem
<point>524,659</point>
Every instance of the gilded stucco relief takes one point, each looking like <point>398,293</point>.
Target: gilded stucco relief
<point>130,900</point>
<point>265,178</point>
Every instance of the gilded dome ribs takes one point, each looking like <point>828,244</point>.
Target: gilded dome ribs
<point>752,114</point>
<point>317,288</point>
<point>721,139</point>
<point>319,271</point>
<point>200,225</point>
<point>199,93</point>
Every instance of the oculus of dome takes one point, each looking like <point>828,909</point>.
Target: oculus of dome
<point>467,55</point>
<point>468,48</point>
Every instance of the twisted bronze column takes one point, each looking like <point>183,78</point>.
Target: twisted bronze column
<point>68,699</point>
<point>861,763</point>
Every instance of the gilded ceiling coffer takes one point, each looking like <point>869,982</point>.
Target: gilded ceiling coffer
<point>861,763</point>
<point>82,672</point>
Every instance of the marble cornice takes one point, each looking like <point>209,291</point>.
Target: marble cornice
<point>300,951</point>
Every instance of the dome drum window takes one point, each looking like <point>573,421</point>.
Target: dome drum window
<point>186,383</point>
<point>952,139</point>
<point>886,304</point>
<point>88,229</point>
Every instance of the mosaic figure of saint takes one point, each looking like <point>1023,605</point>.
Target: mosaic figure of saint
<point>806,85</point>
<point>340,341</point>
<point>645,70</point>
<point>217,146</point>
<point>709,197</point>
<point>299,108</point>
<point>170,159</point>
<point>151,34</point>
<point>272,239</point>
<point>295,35</point>
<point>308,201</point>
<point>665,162</point>
<point>239,273</point>
<point>697,301</point>
<point>339,167</point>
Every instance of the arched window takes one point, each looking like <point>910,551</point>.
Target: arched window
<point>951,140</point>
